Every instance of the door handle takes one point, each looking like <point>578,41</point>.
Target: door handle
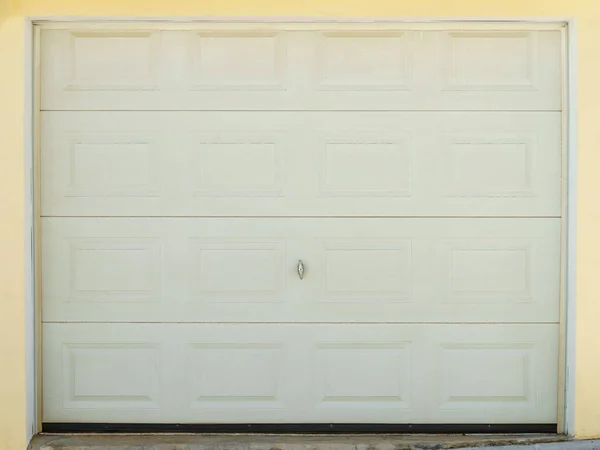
<point>300,269</point>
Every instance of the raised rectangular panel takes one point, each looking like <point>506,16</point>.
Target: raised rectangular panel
<point>114,270</point>
<point>238,60</point>
<point>113,60</point>
<point>493,373</point>
<point>480,271</point>
<point>491,60</point>
<point>364,60</point>
<point>112,166</point>
<point>236,271</point>
<point>473,375</point>
<point>361,373</point>
<point>484,270</point>
<point>105,163</point>
<point>489,165</point>
<point>110,376</point>
<point>361,166</point>
<point>236,164</point>
<point>234,375</point>
<point>366,270</point>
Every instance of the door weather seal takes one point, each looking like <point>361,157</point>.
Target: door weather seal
<point>302,428</point>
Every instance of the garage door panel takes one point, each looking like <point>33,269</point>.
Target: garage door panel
<point>357,68</point>
<point>506,370</point>
<point>433,270</point>
<point>95,270</point>
<point>364,164</point>
<point>495,60</point>
<point>483,369</point>
<point>156,270</point>
<point>364,60</point>
<point>233,164</point>
<point>433,164</point>
<point>497,270</point>
<point>492,164</point>
<point>360,269</point>
<point>301,373</point>
<point>301,164</point>
<point>165,69</point>
<point>91,383</point>
<point>217,381</point>
<point>103,60</point>
<point>244,270</point>
<point>102,159</point>
<point>157,164</point>
<point>238,271</point>
<point>89,372</point>
<point>365,373</point>
<point>189,374</point>
<point>301,223</point>
<point>86,171</point>
<point>436,70</point>
<point>220,60</point>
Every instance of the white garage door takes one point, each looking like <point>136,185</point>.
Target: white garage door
<point>188,174</point>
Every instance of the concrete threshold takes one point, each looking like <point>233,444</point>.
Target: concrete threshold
<point>305,442</point>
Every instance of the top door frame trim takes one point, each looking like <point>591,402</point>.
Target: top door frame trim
<point>31,112</point>
<point>296,25</point>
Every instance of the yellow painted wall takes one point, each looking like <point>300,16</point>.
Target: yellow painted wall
<point>13,15</point>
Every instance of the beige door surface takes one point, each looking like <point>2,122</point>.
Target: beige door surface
<point>188,174</point>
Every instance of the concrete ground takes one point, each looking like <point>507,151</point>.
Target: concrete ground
<point>306,442</point>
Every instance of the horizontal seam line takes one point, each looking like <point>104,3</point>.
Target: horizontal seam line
<point>301,217</point>
<point>303,323</point>
<point>439,111</point>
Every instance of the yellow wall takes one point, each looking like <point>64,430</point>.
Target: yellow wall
<point>13,14</point>
<point>12,249</point>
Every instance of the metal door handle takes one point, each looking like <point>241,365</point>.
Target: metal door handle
<point>300,269</point>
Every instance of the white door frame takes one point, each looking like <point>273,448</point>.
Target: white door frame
<point>566,394</point>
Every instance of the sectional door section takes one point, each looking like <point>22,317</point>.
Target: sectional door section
<point>355,270</point>
<point>323,164</point>
<point>186,171</point>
